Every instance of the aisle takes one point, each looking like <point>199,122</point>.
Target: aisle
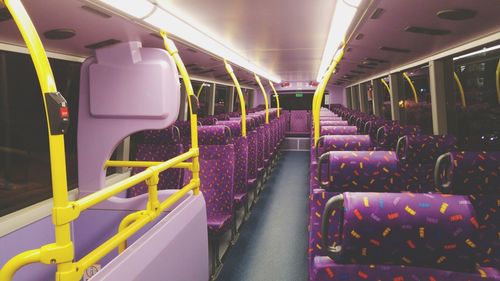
<point>273,242</point>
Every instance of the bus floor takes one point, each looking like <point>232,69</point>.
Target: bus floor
<point>273,243</point>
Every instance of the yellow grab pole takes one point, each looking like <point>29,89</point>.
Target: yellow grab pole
<point>498,80</point>
<point>276,97</point>
<point>62,250</point>
<point>405,75</point>
<point>257,78</point>
<point>386,86</point>
<point>230,71</point>
<point>460,89</point>
<point>199,90</point>
<point>320,91</point>
<point>172,50</point>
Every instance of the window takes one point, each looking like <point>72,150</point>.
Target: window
<point>236,100</point>
<point>296,100</point>
<point>24,153</point>
<point>413,112</point>
<point>479,120</point>
<point>221,97</point>
<point>386,97</point>
<point>203,89</point>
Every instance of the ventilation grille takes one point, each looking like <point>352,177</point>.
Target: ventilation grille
<point>359,36</point>
<point>395,50</point>
<point>377,13</point>
<point>101,44</point>
<point>357,72</point>
<point>427,31</point>
<point>95,12</point>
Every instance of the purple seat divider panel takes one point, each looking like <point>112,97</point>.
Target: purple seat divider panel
<point>176,247</point>
<point>128,72</point>
<point>299,121</point>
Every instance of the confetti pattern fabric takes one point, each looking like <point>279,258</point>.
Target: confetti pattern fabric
<point>338,130</point>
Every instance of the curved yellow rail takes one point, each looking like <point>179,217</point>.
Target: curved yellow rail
<point>276,96</point>
<point>498,80</point>
<point>230,70</point>
<point>460,89</point>
<point>263,91</point>
<point>405,75</point>
<point>386,86</point>
<point>320,92</point>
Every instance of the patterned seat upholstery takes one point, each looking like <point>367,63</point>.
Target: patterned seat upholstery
<point>388,135</point>
<point>430,230</point>
<point>417,156</point>
<point>241,161</point>
<point>338,130</point>
<point>468,172</point>
<point>159,145</point>
<point>332,123</point>
<point>216,176</point>
<point>360,171</point>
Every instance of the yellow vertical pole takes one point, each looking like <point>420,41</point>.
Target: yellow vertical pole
<point>230,71</point>
<point>172,50</point>
<point>257,78</point>
<point>56,142</point>
<point>276,96</point>
<point>460,89</point>
<point>405,75</point>
<point>320,91</point>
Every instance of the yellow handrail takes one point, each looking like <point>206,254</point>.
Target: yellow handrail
<point>277,98</point>
<point>144,164</point>
<point>386,86</point>
<point>498,80</point>
<point>62,251</point>
<point>230,70</point>
<point>405,75</point>
<point>460,89</point>
<point>320,91</point>
<point>63,246</point>
<point>263,91</point>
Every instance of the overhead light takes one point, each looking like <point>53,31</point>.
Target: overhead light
<point>165,18</point>
<point>484,50</point>
<point>344,13</point>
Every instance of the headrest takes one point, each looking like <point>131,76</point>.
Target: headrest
<point>214,135</point>
<point>338,130</point>
<point>468,172</point>
<point>333,123</point>
<point>234,114</point>
<point>207,120</point>
<point>388,135</point>
<point>170,135</point>
<point>360,171</point>
<point>424,148</point>
<point>330,118</point>
<point>234,126</point>
<point>222,117</point>
<point>428,230</point>
<point>343,143</point>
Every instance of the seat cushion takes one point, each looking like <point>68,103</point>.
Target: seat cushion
<point>218,224</point>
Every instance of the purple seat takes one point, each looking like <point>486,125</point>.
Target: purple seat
<point>241,161</point>
<point>332,123</point>
<point>417,157</point>
<point>388,135</point>
<point>360,171</point>
<point>299,121</point>
<point>216,175</point>
<point>159,145</point>
<point>338,130</point>
<point>429,230</point>
<point>252,139</point>
<point>469,172</point>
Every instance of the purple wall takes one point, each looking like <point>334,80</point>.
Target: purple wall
<point>336,95</point>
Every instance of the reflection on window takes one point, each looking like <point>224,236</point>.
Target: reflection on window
<point>221,96</point>
<point>413,112</point>
<point>296,100</point>
<point>24,153</point>
<point>479,121</point>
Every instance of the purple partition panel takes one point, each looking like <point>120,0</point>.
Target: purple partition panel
<point>124,88</point>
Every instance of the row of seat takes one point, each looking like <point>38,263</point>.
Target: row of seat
<point>233,167</point>
<point>378,209</point>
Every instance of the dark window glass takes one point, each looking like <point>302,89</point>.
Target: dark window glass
<point>221,96</point>
<point>413,112</point>
<point>479,121</point>
<point>296,100</point>
<point>386,106</point>
<point>24,153</point>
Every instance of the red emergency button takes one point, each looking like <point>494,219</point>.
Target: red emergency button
<point>64,112</point>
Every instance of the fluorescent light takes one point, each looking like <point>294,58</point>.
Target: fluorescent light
<point>134,8</point>
<point>342,18</point>
<point>183,28</point>
<point>484,50</point>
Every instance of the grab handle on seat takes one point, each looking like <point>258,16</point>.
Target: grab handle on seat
<point>442,172</point>
<point>335,203</point>
<point>324,156</point>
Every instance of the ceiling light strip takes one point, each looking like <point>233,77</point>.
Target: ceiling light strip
<point>158,17</point>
